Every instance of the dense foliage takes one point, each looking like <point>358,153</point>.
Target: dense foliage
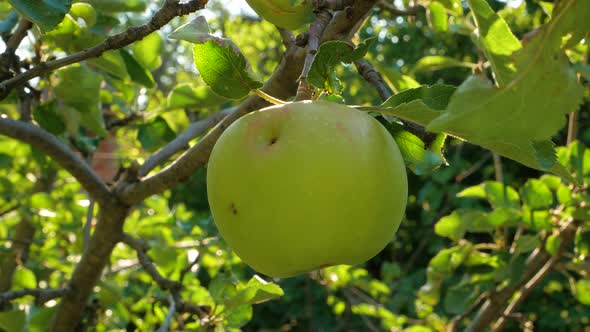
<point>476,94</point>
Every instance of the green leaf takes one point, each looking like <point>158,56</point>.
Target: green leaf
<point>498,194</point>
<point>420,105</point>
<point>460,221</point>
<point>193,31</point>
<point>536,219</point>
<point>451,226</point>
<point>224,68</point>
<point>417,156</point>
<point>79,87</point>
<point>396,80</point>
<point>9,22</point>
<point>164,257</point>
<point>536,194</point>
<point>437,17</point>
<point>447,260</point>
<point>155,134</point>
<point>322,73</point>
<point>221,288</point>
<point>5,160</point>
<point>453,6</point>
<point>458,298</point>
<point>13,321</point>
<point>84,11</point>
<point>553,243</point>
<point>583,69</point>
<point>137,73</point>
<point>256,291</point>
<point>40,318</point>
<point>47,14</point>
<point>116,6</point>
<point>582,244</point>
<point>498,42</point>
<point>547,7</point>
<point>479,111</point>
<point>583,291</point>
<point>187,95</point>
<point>41,200</point>
<point>23,278</point>
<point>437,62</point>
<point>94,121</point>
<point>238,316</point>
<point>147,51</point>
<point>219,61</point>
<point>527,243</point>
<point>46,116</point>
<point>111,62</point>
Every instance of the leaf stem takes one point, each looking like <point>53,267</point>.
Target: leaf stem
<point>268,97</point>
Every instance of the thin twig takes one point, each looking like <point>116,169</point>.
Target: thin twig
<point>572,127</point>
<point>323,17</point>
<point>8,59</point>
<point>373,77</point>
<point>88,224</point>
<point>180,143</point>
<point>166,324</point>
<point>498,167</point>
<point>457,319</point>
<point>492,308</point>
<point>141,247</point>
<point>527,288</point>
<point>170,10</point>
<point>41,295</point>
<point>10,209</point>
<point>189,267</point>
<point>474,168</point>
<point>19,34</point>
<point>59,152</point>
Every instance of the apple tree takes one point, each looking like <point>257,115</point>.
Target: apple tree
<point>110,109</point>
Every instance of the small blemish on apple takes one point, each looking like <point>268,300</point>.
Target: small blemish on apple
<point>233,208</point>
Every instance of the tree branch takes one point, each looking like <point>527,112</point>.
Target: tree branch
<point>282,84</point>
<point>567,234</point>
<point>170,10</point>
<point>180,143</point>
<point>177,304</point>
<point>166,324</point>
<point>141,247</point>
<point>323,18</point>
<point>373,77</point>
<point>41,295</point>
<point>8,59</point>
<point>108,232</point>
<point>59,152</point>
<point>493,306</point>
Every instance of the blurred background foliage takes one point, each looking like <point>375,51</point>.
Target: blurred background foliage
<point>457,241</point>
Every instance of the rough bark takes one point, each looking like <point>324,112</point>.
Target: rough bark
<point>109,230</point>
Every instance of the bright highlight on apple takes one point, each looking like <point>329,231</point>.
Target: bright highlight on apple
<point>305,185</point>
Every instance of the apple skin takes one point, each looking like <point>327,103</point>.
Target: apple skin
<point>305,185</point>
<point>288,14</point>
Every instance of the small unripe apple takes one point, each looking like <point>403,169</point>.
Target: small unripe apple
<point>305,185</point>
<point>288,14</point>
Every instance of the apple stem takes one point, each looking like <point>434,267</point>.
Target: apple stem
<point>268,97</point>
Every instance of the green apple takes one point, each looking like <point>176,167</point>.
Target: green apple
<point>305,185</point>
<point>84,11</point>
<point>288,14</point>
